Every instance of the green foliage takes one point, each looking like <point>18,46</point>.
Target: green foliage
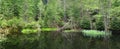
<point>95,33</point>
<point>116,3</point>
<point>2,39</point>
<point>32,24</point>
<point>17,25</point>
<point>3,23</point>
<point>115,12</point>
<point>85,24</point>
<point>19,16</point>
<point>99,24</point>
<point>29,31</point>
<point>52,12</point>
<point>12,22</point>
<point>115,24</point>
<point>48,29</point>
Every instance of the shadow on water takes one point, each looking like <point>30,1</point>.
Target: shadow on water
<point>49,40</point>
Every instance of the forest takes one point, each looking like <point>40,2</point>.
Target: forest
<point>59,24</point>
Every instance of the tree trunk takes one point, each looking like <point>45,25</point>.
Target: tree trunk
<point>25,8</point>
<point>105,7</point>
<point>64,7</point>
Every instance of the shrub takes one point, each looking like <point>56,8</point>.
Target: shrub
<point>85,24</point>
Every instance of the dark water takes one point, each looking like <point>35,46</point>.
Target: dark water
<point>53,40</point>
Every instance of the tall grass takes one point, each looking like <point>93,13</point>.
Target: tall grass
<point>95,33</point>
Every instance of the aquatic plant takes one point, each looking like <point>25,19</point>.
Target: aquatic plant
<point>48,29</point>
<point>29,31</point>
<point>95,33</point>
